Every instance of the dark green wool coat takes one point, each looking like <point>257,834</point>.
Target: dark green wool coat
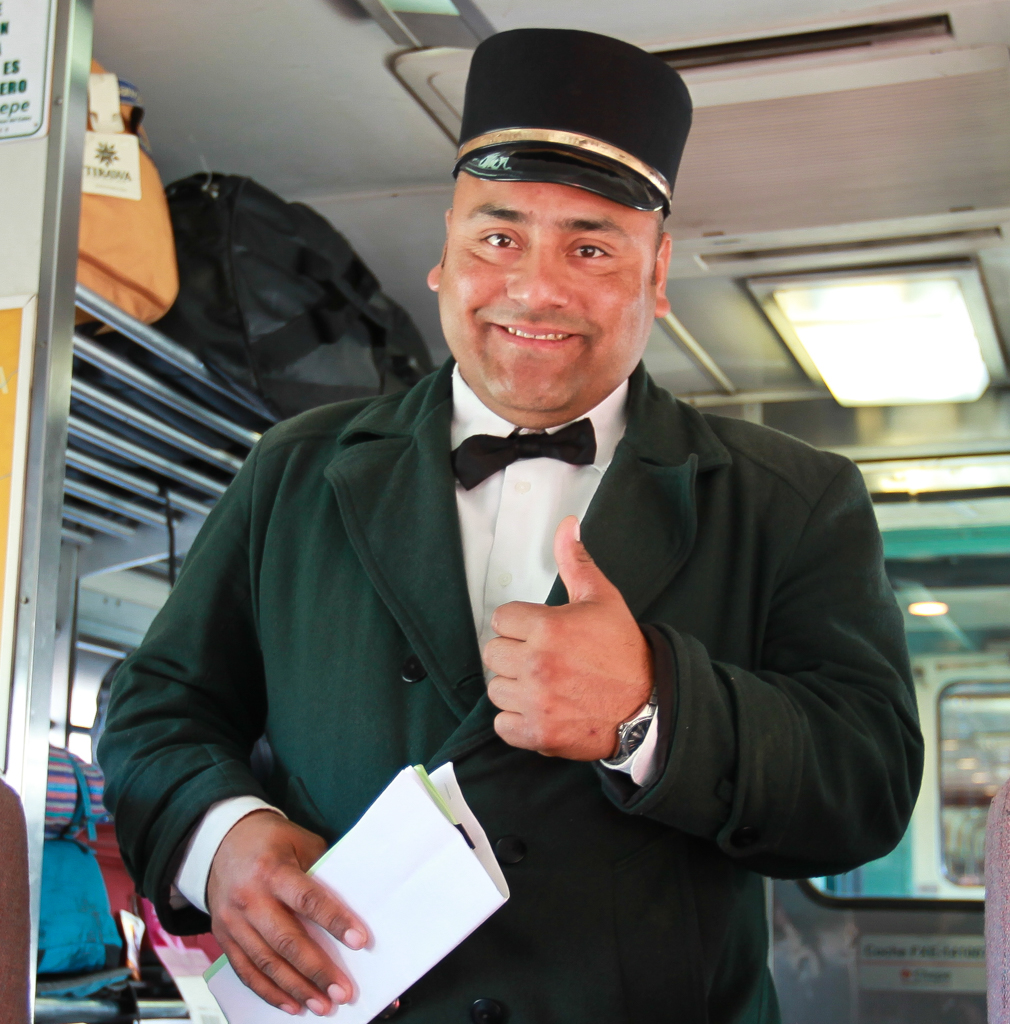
<point>793,749</point>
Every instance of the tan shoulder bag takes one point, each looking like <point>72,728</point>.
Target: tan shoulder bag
<point>126,250</point>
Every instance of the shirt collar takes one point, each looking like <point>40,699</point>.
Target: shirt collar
<point>471,416</point>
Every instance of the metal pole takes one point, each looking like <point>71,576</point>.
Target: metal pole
<point>63,652</point>
<point>35,631</point>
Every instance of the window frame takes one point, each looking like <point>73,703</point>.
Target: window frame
<point>993,668</point>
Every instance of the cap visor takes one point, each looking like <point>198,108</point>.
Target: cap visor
<point>526,163</point>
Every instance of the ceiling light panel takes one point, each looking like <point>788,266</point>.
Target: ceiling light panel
<point>431,23</point>
<point>928,608</point>
<point>898,337</point>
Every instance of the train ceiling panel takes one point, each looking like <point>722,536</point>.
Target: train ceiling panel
<point>299,95</point>
<point>431,23</point>
<point>295,95</point>
<point>676,25</point>
<point>888,152</point>
<point>829,248</point>
<point>830,138</point>
<point>745,71</point>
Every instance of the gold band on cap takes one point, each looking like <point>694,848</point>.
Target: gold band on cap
<point>598,147</point>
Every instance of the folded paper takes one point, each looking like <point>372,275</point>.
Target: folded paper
<point>419,871</point>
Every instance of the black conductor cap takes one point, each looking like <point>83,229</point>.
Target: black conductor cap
<point>575,108</point>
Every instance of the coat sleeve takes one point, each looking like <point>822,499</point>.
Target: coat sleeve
<point>810,765</point>
<point>188,705</point>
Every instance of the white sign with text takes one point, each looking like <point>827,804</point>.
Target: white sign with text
<point>945,963</point>
<point>25,67</point>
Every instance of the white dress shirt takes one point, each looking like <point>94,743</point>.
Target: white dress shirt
<point>507,524</point>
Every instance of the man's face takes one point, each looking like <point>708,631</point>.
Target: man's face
<point>547,294</point>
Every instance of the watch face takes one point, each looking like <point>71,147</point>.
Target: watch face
<point>631,738</point>
<point>635,734</point>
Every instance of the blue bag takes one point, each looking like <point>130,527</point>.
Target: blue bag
<point>76,930</point>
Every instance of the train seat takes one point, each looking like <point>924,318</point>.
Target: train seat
<point>14,922</point>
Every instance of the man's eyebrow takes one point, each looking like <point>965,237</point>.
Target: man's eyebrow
<point>499,213</point>
<point>591,224</point>
<point>571,224</point>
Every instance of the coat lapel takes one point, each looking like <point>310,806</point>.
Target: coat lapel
<point>641,524</point>
<point>396,492</point>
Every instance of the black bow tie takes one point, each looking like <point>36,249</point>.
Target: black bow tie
<point>483,455</point>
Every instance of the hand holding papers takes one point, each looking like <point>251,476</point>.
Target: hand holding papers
<point>419,871</point>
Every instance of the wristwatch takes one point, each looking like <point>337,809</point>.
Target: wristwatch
<point>631,733</point>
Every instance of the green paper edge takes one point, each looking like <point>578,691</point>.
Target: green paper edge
<point>215,967</point>
<point>434,794</point>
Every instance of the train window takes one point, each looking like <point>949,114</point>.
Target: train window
<point>974,729</point>
<point>114,610</point>
<point>957,624</point>
<point>92,675</point>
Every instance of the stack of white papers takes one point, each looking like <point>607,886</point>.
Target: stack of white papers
<point>419,871</point>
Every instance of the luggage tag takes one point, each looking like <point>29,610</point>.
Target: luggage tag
<point>112,165</point>
<point>111,154</point>
<point>103,104</point>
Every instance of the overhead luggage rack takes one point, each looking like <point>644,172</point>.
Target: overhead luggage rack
<point>158,344</point>
<point>155,437</point>
<point>131,375</point>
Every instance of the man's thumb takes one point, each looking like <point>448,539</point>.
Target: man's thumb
<point>579,573</point>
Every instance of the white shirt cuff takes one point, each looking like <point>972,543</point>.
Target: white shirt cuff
<point>190,886</point>
<point>642,763</point>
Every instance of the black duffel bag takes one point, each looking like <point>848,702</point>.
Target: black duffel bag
<point>276,302</point>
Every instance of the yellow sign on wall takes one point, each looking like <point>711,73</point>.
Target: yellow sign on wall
<point>10,351</point>
<point>17,325</point>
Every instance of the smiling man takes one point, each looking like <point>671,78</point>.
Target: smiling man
<point>548,294</point>
<point>659,648</point>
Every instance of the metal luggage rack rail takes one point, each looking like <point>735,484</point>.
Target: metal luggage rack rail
<point>106,1011</point>
<point>154,435</point>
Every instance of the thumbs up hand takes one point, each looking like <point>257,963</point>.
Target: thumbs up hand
<point>568,676</point>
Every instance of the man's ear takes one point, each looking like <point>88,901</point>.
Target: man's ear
<point>435,274</point>
<point>659,280</point>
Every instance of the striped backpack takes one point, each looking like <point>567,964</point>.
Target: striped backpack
<point>76,932</point>
<point>62,793</point>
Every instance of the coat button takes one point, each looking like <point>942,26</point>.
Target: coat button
<point>487,1011</point>
<point>390,1011</point>
<point>746,835</point>
<point>413,671</point>
<point>509,850</point>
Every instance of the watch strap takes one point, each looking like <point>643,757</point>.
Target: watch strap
<point>618,785</point>
<point>632,733</point>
